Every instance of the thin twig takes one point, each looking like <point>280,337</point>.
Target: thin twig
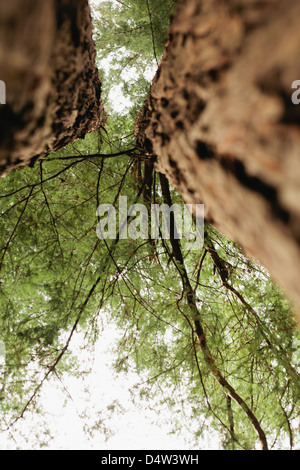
<point>152,32</point>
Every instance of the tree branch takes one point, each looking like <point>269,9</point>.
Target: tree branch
<point>152,32</point>
<point>195,314</point>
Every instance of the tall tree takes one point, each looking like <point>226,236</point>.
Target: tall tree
<point>221,121</point>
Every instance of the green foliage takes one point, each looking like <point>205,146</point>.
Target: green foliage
<point>130,38</point>
<point>50,259</point>
<point>251,347</point>
<point>138,26</point>
<point>58,278</point>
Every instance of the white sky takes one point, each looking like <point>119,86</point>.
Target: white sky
<point>89,395</point>
<point>133,430</point>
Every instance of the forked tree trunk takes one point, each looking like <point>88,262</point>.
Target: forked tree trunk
<point>221,121</point>
<point>47,62</point>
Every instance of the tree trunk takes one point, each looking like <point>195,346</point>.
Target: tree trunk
<point>221,121</point>
<point>47,62</point>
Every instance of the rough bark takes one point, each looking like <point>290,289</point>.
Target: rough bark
<point>47,61</point>
<point>221,122</point>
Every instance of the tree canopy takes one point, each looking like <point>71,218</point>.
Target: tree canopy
<point>212,337</point>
